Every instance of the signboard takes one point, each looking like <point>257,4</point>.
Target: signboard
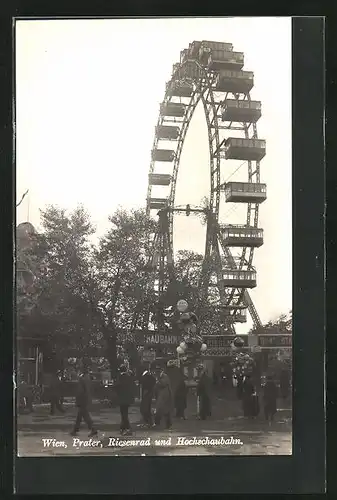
<point>172,340</point>
<point>151,338</point>
<point>275,341</point>
<point>222,340</point>
<point>260,341</point>
<point>253,340</point>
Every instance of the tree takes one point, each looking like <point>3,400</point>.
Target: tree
<point>61,312</point>
<point>120,276</point>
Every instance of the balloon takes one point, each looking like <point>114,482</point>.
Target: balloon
<point>182,305</point>
<point>238,342</point>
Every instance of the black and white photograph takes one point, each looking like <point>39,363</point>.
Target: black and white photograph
<point>153,236</point>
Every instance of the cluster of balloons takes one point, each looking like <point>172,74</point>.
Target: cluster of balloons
<point>242,363</point>
<point>189,320</point>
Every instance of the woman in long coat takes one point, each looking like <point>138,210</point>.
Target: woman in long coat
<point>164,400</point>
<point>204,395</point>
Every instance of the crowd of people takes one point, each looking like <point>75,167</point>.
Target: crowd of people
<point>163,397</point>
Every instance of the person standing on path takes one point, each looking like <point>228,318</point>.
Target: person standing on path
<point>83,403</point>
<point>284,384</point>
<point>148,382</point>
<point>164,400</point>
<point>180,399</point>
<point>270,399</point>
<point>204,389</point>
<point>55,394</point>
<point>250,400</point>
<point>125,391</point>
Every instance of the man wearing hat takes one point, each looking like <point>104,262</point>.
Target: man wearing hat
<point>83,402</point>
<point>125,391</point>
<point>148,382</point>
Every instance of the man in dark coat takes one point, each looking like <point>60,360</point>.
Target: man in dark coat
<point>148,382</point>
<point>55,394</point>
<point>180,399</point>
<point>125,391</point>
<point>239,387</point>
<point>204,388</point>
<point>284,384</point>
<point>270,399</point>
<point>250,401</point>
<point>83,402</point>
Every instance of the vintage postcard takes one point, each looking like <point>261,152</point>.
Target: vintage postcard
<point>153,237</point>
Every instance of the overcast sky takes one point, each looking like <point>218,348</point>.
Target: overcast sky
<point>87,101</point>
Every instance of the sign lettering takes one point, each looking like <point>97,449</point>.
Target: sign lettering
<point>275,341</point>
<point>161,339</point>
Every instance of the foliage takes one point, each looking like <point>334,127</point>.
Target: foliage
<point>61,256</point>
<point>84,295</point>
<point>278,358</point>
<point>120,262</point>
<point>282,325</point>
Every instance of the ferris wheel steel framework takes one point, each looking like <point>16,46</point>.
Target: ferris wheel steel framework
<point>204,90</point>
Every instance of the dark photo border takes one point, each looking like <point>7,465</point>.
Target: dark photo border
<point>304,471</point>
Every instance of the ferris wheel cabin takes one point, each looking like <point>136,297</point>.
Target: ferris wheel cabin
<point>240,316</point>
<point>179,90</point>
<point>237,82</point>
<point>206,44</point>
<point>193,50</point>
<point>239,279</point>
<point>173,109</point>
<point>190,70</point>
<point>241,111</point>
<point>167,132</point>
<point>184,56</point>
<point>157,203</point>
<point>245,192</point>
<point>166,155</point>
<point>159,179</point>
<point>241,236</point>
<point>220,59</point>
<point>244,149</point>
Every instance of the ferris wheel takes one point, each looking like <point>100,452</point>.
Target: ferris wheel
<point>210,74</point>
